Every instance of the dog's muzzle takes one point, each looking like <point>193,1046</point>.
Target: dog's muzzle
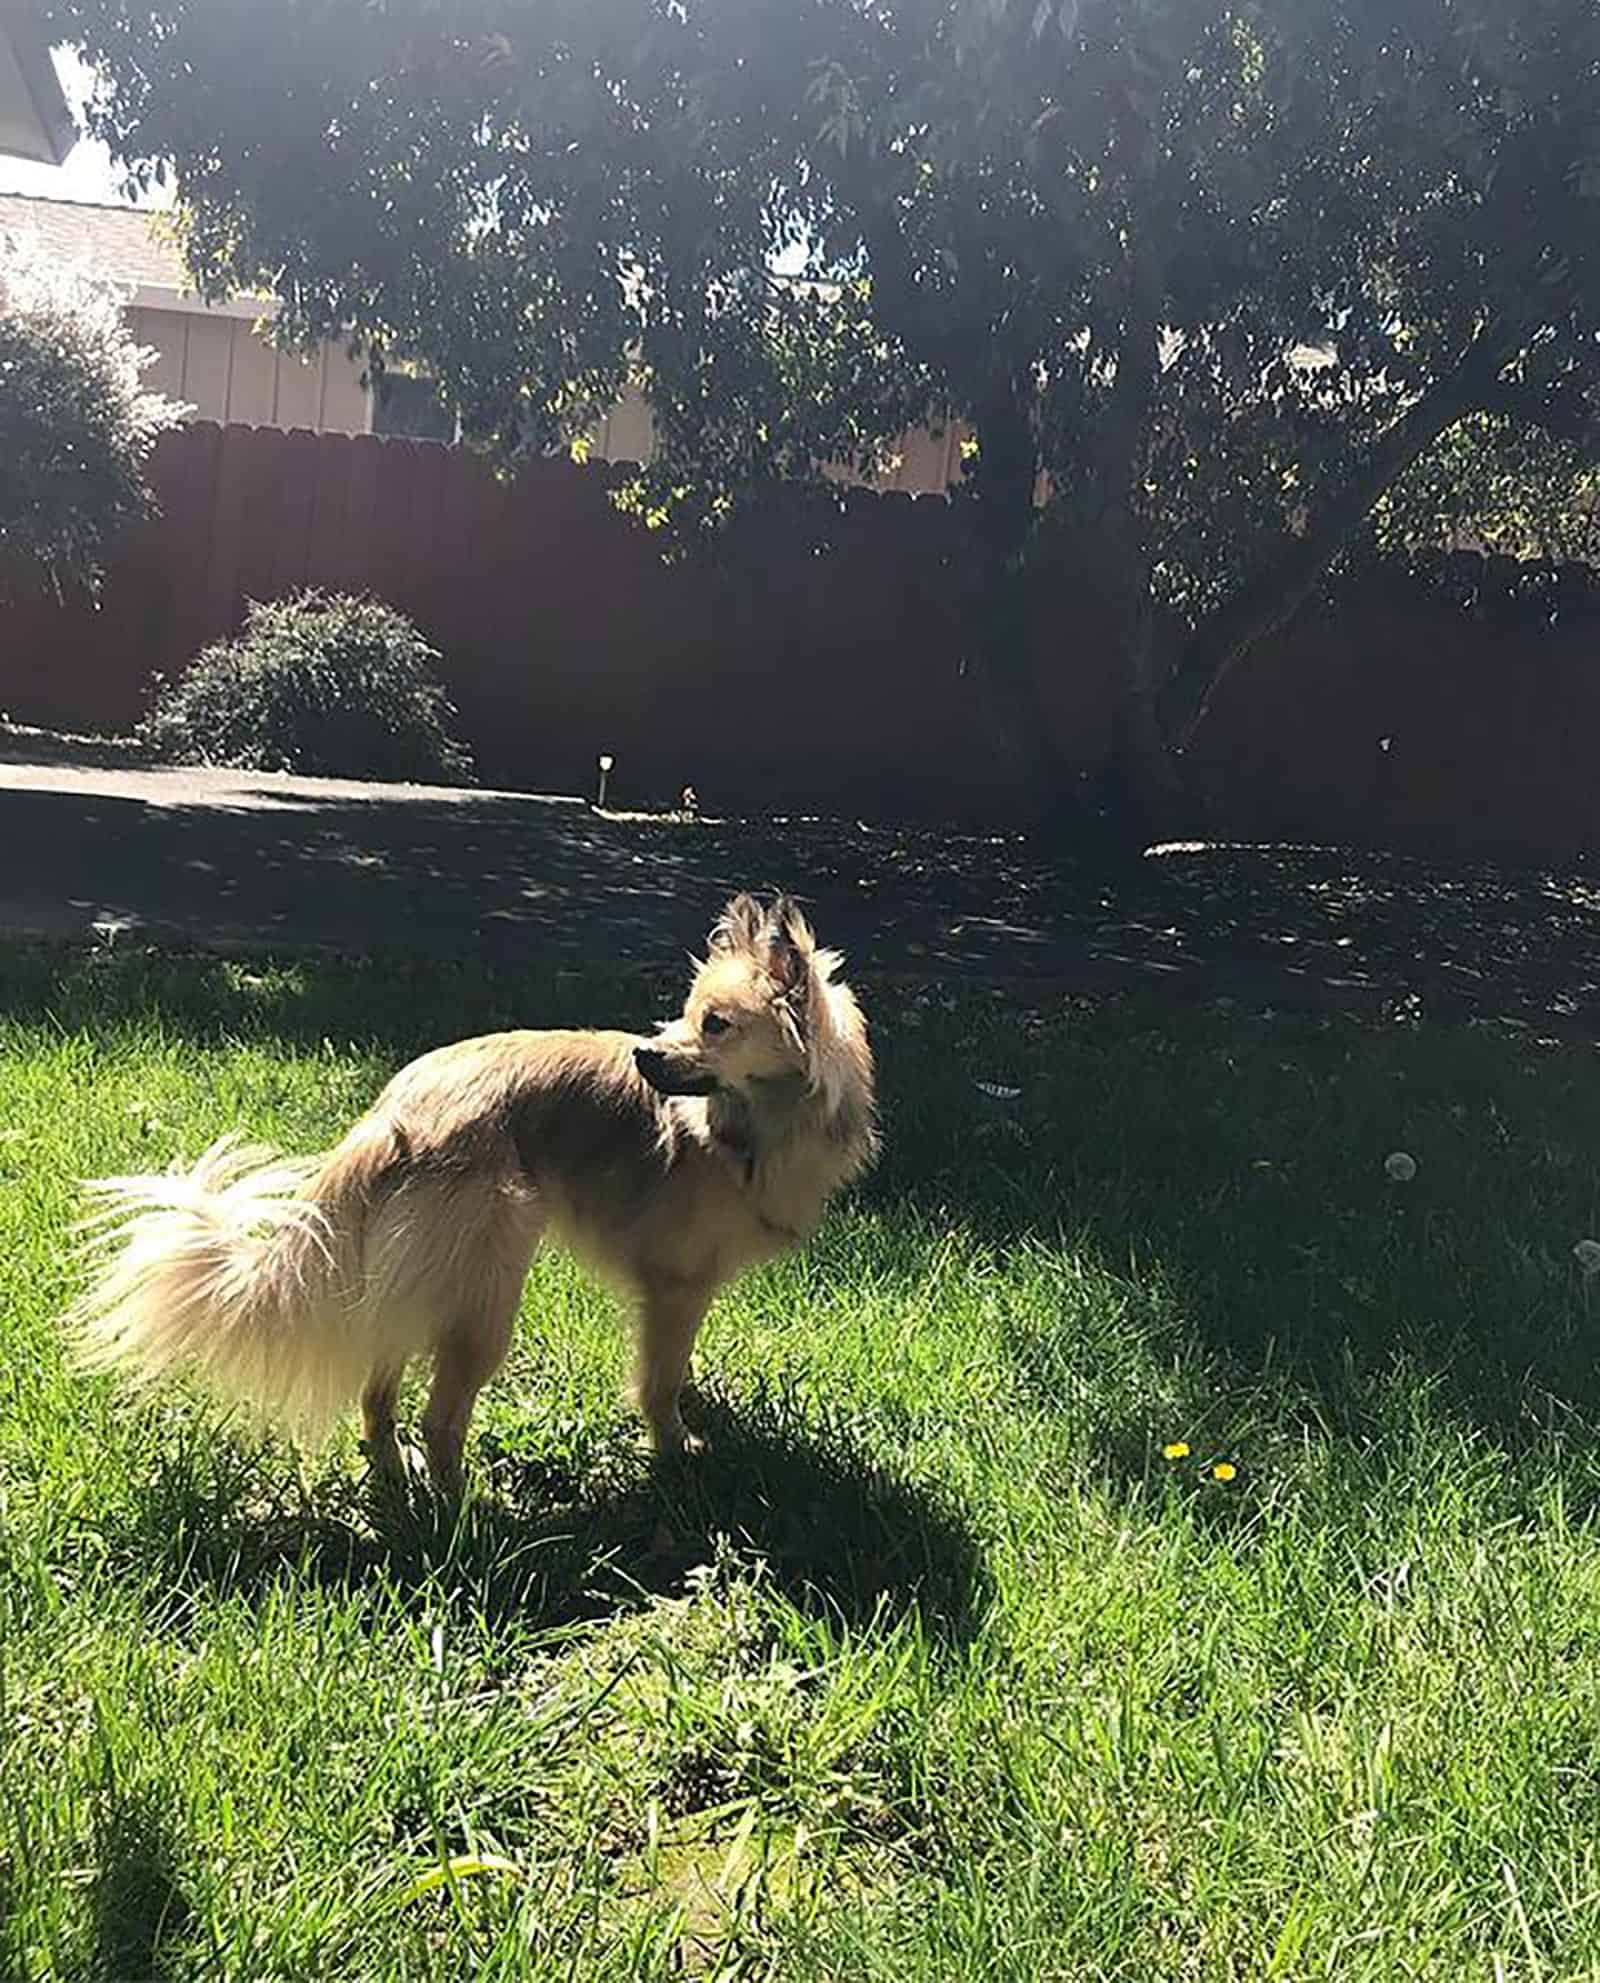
<point>671,1076</point>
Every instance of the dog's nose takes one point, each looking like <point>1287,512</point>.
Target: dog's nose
<point>670,1074</point>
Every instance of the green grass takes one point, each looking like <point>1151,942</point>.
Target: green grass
<point>934,1666</point>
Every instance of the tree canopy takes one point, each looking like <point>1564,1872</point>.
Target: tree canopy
<point>1225,279</point>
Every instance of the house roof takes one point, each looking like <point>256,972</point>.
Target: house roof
<point>34,120</point>
<point>112,241</point>
<point>126,244</point>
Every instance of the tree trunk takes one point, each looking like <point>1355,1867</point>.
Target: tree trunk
<point>1141,785</point>
<point>1000,666</point>
<point>1000,658</point>
<point>1145,783</point>
<point>1140,788</point>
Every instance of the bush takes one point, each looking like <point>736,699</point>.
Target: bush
<point>326,684</point>
<point>76,429</point>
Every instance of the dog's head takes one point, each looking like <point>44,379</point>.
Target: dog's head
<point>756,1010</point>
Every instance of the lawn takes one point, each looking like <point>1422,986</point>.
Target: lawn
<point>955,1657</point>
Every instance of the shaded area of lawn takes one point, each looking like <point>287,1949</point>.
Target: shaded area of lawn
<point>1230,1166</point>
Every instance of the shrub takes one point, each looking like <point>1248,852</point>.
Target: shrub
<point>327,684</point>
<point>76,428</point>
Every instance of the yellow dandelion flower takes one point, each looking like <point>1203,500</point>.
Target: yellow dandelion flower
<point>1224,1470</point>
<point>1177,1449</point>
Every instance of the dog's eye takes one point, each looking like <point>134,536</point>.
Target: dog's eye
<point>713,1024</point>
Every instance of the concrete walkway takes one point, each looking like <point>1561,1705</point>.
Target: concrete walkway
<point>95,845</point>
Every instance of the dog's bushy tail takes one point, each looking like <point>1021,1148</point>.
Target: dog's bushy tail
<point>245,1269</point>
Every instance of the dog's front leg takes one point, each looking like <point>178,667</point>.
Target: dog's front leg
<point>669,1321</point>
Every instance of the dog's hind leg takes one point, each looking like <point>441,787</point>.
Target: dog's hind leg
<point>471,1348</point>
<point>378,1425</point>
<point>463,1363</point>
<point>669,1321</point>
<point>466,1356</point>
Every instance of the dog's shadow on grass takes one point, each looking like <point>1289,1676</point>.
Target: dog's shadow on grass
<point>140,1918</point>
<point>548,1544</point>
<point>137,1924</point>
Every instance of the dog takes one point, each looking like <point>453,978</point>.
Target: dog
<point>669,1164</point>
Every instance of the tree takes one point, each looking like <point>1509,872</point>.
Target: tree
<point>1223,275</point>
<point>76,427</point>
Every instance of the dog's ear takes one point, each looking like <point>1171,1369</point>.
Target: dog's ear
<point>739,927</point>
<point>789,946</point>
<point>791,926</point>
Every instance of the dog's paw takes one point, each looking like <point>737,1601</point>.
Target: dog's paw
<point>675,1442</point>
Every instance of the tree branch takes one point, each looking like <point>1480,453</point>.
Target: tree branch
<point>1562,409</point>
<point>1268,601</point>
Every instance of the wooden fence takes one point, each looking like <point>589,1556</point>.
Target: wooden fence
<point>772,676</point>
<point>761,674</point>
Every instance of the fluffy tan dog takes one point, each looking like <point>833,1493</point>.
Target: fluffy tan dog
<point>670,1164</point>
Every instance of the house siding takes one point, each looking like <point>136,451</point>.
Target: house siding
<point>225,370</point>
